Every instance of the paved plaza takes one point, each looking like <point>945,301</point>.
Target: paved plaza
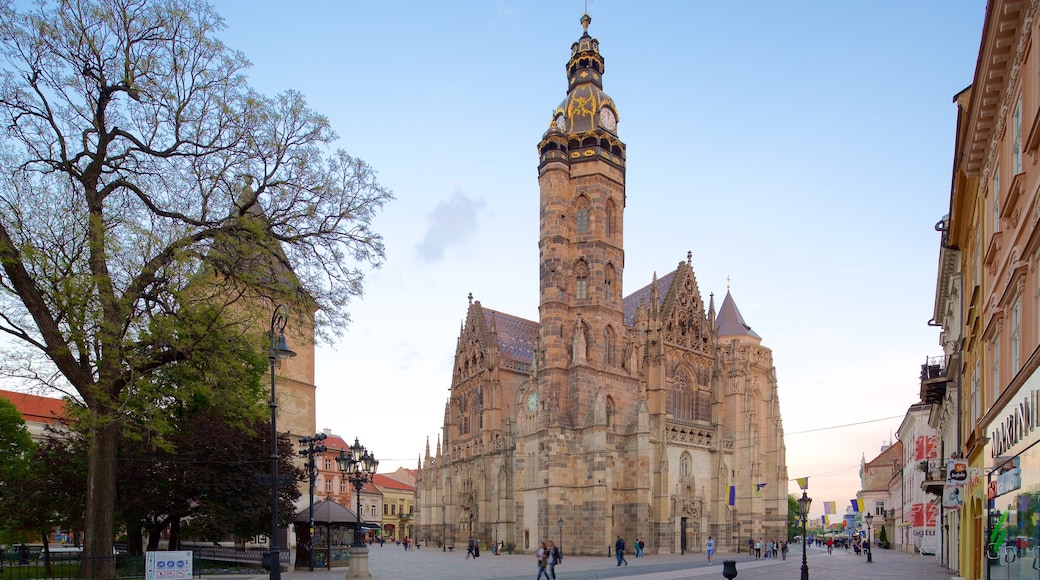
<point>391,562</point>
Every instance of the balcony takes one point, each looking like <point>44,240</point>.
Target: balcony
<point>934,476</point>
<point>935,374</point>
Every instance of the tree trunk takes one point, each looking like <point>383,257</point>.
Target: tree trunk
<point>175,534</point>
<point>101,495</point>
<point>134,543</point>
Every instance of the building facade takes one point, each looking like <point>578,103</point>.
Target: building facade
<point>876,478</point>
<point>985,399</point>
<point>646,416</point>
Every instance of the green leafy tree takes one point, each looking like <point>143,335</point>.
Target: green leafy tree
<point>794,518</point>
<point>50,497</point>
<point>16,445</point>
<point>142,177</point>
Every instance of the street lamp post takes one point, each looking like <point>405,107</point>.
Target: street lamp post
<point>444,525</point>
<point>559,523</point>
<point>279,350</point>
<point>358,467</point>
<point>870,520</point>
<point>804,503</point>
<point>314,447</point>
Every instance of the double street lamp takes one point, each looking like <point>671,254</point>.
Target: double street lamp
<point>279,350</point>
<point>358,466</point>
<point>314,447</point>
<point>869,519</point>
<point>804,503</point>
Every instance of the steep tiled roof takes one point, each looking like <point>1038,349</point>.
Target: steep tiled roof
<point>516,336</point>
<point>391,483</point>
<point>729,322</point>
<point>36,409</point>
<point>631,302</point>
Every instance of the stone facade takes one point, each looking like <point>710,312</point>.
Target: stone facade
<point>612,415</point>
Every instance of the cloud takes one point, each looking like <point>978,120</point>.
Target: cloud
<point>452,222</point>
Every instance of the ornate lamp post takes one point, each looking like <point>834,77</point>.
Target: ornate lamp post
<point>804,503</point>
<point>358,467</point>
<point>444,524</point>
<point>279,350</point>
<point>869,519</point>
<point>314,447</point>
<point>559,523</point>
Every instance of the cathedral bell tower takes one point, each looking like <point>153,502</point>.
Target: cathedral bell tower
<point>581,178</point>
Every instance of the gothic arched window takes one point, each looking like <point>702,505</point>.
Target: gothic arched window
<point>583,216</point>
<point>608,346</point>
<point>682,398</point>
<point>581,286</point>
<point>684,465</point>
<point>608,220</point>
<point>608,284</point>
<point>611,411</point>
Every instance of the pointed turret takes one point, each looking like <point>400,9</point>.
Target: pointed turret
<point>730,323</point>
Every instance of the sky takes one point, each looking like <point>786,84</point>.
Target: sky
<point>802,152</point>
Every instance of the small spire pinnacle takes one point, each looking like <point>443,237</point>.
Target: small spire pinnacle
<point>470,298</point>
<point>586,20</point>
<point>689,257</point>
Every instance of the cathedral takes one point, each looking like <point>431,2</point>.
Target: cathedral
<point>647,416</point>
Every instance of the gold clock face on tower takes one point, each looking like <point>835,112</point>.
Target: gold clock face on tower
<point>532,403</point>
<point>607,118</point>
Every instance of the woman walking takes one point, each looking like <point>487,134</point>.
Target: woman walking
<point>543,561</point>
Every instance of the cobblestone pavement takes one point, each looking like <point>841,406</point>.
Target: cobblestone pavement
<point>391,562</point>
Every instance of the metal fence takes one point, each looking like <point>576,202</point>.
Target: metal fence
<point>64,565</point>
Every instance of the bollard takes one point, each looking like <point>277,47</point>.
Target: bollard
<point>729,569</point>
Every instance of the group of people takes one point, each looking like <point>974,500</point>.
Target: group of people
<point>473,548</point>
<point>548,557</point>
<point>770,548</point>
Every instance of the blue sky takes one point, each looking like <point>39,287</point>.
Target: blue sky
<point>801,150</point>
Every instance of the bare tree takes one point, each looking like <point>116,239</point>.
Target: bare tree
<point>140,175</point>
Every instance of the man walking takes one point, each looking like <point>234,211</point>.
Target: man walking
<point>710,547</point>
<point>619,550</point>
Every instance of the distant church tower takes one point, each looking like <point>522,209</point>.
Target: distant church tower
<point>643,415</point>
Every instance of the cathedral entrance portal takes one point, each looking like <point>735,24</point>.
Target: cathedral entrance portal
<point>682,535</point>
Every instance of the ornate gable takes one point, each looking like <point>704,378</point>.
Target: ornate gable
<point>682,311</point>
<point>475,348</point>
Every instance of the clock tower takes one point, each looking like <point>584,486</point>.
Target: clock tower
<point>581,178</point>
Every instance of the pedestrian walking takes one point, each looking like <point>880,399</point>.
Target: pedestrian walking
<point>543,562</point>
<point>619,550</point>
<point>783,549</point>
<point>758,549</point>
<point>554,559</point>
<point>469,549</point>
<point>710,548</point>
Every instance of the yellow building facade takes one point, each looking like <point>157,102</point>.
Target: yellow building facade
<point>988,301</point>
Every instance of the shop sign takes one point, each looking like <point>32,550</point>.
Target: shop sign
<point>1022,420</point>
<point>956,472</point>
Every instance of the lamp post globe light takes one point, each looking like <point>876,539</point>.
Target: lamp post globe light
<point>804,503</point>
<point>279,350</point>
<point>314,447</point>
<point>359,466</point>
<point>870,538</point>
